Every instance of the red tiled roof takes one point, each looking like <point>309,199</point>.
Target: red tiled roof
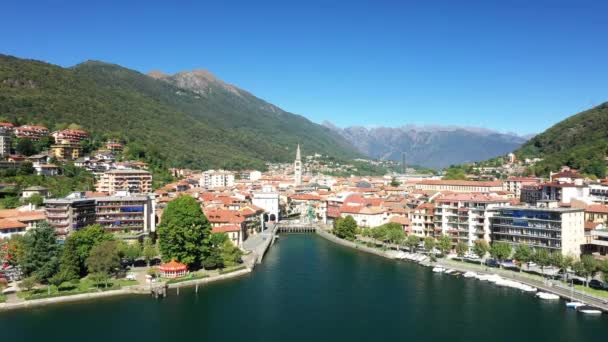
<point>597,208</point>
<point>226,228</point>
<point>461,183</point>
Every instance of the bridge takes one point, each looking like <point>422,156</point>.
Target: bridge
<point>296,227</point>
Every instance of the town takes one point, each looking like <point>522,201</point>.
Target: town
<point>562,217</point>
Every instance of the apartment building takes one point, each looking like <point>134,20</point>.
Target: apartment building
<point>515,184</point>
<point>5,141</point>
<point>130,180</point>
<point>66,150</point>
<point>459,185</point>
<point>129,216</point>
<point>466,217</point>
<point>543,226</point>
<point>73,135</point>
<point>216,179</point>
<point>422,220</point>
<point>70,213</point>
<point>31,132</point>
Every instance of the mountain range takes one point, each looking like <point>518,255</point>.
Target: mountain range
<point>430,146</point>
<point>190,119</point>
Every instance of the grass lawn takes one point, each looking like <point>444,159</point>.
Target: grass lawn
<point>66,289</point>
<point>2,298</point>
<point>588,290</point>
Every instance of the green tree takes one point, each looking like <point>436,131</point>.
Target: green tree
<point>429,243</point>
<point>35,199</point>
<point>150,251</point>
<point>25,146</point>
<point>444,244</point>
<point>82,241</point>
<point>184,232</point>
<point>481,248</point>
<point>28,283</point>
<point>394,233</point>
<point>461,249</point>
<point>41,252</point>
<point>230,253</point>
<point>69,265</point>
<point>542,258</point>
<point>412,242</point>
<point>26,168</point>
<point>589,267</point>
<point>522,255</point>
<point>500,251</point>
<point>104,259</point>
<point>345,228</point>
<point>130,251</point>
<point>394,182</point>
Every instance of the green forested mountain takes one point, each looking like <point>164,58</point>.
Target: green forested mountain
<point>222,126</point>
<point>581,142</point>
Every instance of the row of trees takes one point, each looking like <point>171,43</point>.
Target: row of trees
<point>185,235</point>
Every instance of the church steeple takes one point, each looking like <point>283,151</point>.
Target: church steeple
<point>297,168</point>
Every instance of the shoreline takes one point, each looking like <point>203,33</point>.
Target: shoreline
<point>563,293</point>
<point>126,291</point>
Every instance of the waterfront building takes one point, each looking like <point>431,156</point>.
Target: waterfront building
<point>422,220</point>
<point>297,168</point>
<point>130,180</point>
<point>268,200</point>
<point>465,217</point>
<point>543,226</point>
<point>129,216</point>
<point>459,185</point>
<point>70,213</point>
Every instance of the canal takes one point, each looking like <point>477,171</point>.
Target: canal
<point>309,289</point>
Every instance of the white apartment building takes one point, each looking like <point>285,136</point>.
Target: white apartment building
<point>216,179</point>
<point>5,141</point>
<point>465,217</point>
<point>130,180</point>
<point>545,226</point>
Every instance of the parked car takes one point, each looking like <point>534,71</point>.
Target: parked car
<point>492,263</point>
<point>597,284</point>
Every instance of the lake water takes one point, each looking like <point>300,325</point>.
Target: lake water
<point>309,289</point>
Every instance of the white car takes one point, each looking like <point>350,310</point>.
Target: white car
<point>131,276</point>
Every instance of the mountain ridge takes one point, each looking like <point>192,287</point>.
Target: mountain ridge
<point>430,146</point>
<point>177,126</point>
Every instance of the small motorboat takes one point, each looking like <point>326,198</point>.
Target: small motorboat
<point>438,269</point>
<point>449,271</point>
<point>590,310</point>
<point>470,274</point>
<point>574,305</point>
<point>546,295</point>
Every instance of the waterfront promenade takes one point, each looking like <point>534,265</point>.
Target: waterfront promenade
<point>539,282</point>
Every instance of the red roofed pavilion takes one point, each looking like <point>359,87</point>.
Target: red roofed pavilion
<point>173,269</point>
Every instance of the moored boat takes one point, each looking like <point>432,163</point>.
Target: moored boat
<point>546,295</point>
<point>590,310</point>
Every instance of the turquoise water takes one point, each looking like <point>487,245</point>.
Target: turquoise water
<point>309,289</point>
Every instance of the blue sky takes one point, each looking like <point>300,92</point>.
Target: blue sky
<point>516,66</point>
